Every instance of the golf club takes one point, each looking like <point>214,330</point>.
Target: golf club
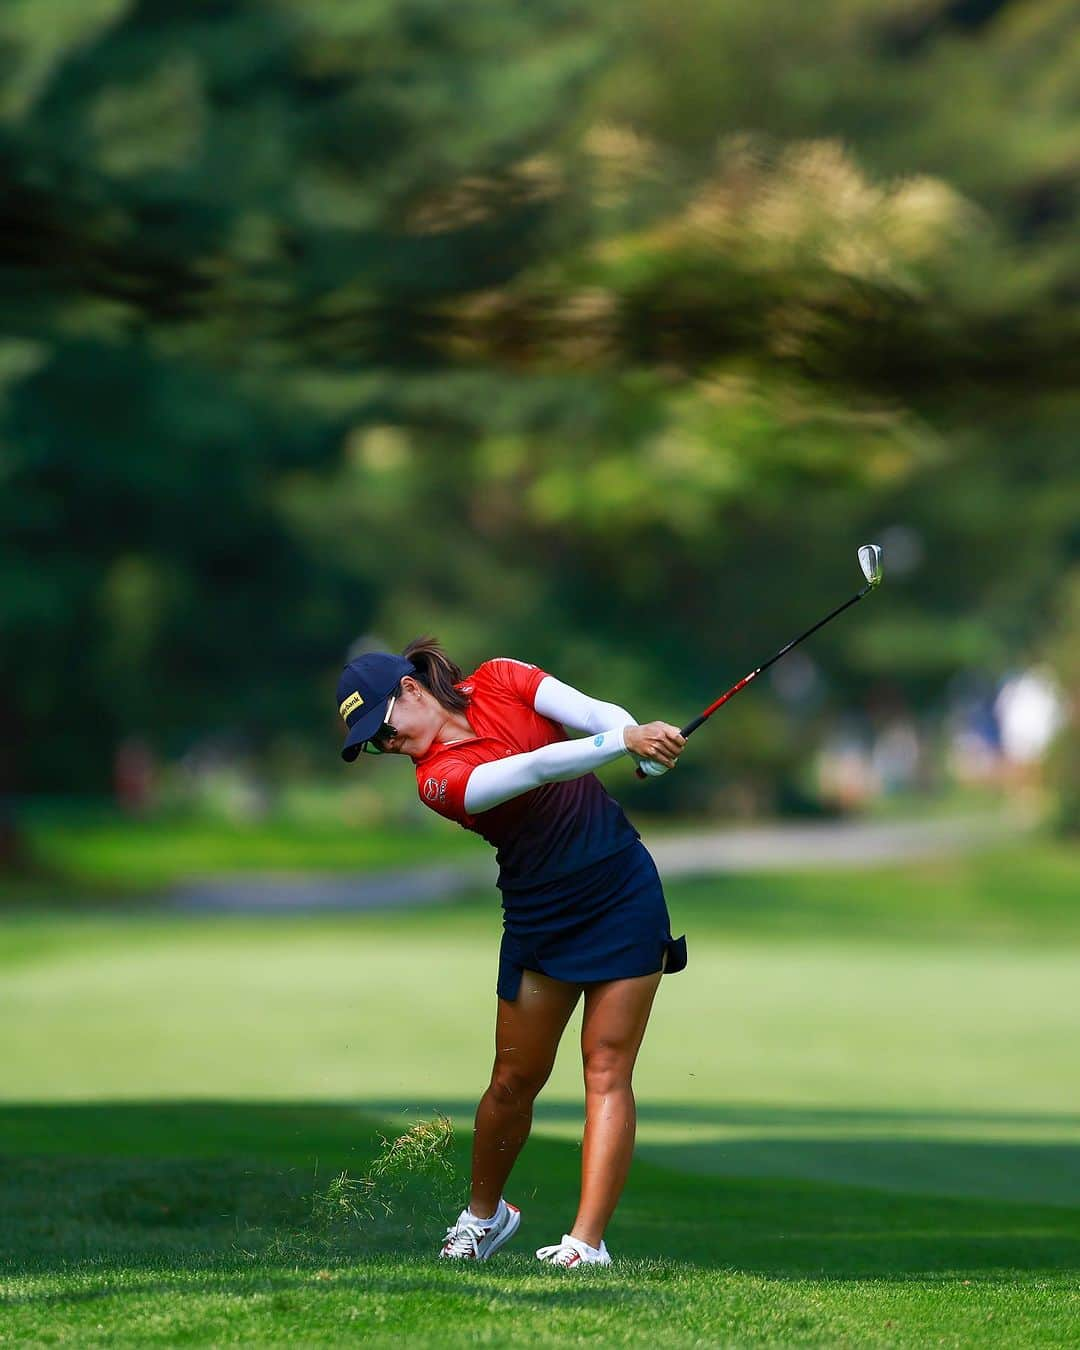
<point>870,562</point>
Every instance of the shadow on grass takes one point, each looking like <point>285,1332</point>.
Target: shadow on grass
<point>979,1155</point>
<point>203,1190</point>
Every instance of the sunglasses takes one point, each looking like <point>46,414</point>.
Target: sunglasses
<point>375,744</point>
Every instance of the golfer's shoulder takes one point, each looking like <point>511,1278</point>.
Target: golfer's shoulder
<point>504,675</point>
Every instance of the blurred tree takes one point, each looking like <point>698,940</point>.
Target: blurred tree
<point>200,201</point>
<point>1064,653</point>
<point>600,335</point>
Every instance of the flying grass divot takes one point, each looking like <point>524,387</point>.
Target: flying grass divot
<point>416,1166</point>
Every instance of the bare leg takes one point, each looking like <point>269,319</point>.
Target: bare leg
<point>527,1034</point>
<point>616,1014</point>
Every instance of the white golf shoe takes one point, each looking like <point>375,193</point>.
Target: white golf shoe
<point>473,1239</point>
<point>571,1251</point>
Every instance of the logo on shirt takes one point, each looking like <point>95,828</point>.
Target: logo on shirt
<point>598,740</point>
<point>431,789</point>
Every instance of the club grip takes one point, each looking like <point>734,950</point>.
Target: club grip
<point>685,731</point>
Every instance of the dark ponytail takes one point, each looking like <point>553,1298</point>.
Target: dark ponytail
<point>436,672</point>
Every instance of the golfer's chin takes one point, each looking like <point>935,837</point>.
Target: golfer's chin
<point>410,746</point>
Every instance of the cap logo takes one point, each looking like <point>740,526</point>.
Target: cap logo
<point>353,702</point>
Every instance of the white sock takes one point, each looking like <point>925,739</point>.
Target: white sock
<point>493,1218</point>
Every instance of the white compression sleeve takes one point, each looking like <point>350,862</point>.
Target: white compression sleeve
<point>563,703</point>
<point>491,784</point>
<point>569,706</point>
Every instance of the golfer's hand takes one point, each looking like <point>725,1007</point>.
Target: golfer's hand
<point>658,741</point>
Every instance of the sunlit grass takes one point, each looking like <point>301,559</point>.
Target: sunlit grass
<point>857,1124</point>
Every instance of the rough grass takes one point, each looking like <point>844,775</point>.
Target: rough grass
<point>852,1130</point>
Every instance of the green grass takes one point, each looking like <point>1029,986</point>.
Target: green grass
<point>95,850</point>
<point>84,851</point>
<point>165,1250</point>
<point>860,1130</point>
<point>1016,893</point>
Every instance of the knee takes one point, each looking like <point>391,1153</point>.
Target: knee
<point>517,1084</point>
<point>607,1069</point>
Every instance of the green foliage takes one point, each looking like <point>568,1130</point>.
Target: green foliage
<point>104,855</point>
<point>600,338</point>
<point>215,197</point>
<point>1064,652</point>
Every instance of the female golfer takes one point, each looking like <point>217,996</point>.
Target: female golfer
<point>583,910</point>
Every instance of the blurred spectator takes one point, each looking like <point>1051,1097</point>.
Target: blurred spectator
<point>896,757</point>
<point>1002,736</point>
<point>1030,712</point>
<point>220,776</point>
<point>974,753</point>
<point>135,776</point>
<point>845,771</point>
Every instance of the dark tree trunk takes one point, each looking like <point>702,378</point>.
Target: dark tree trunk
<point>12,851</point>
<point>13,855</point>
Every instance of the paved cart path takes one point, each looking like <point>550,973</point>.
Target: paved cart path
<point>700,853</point>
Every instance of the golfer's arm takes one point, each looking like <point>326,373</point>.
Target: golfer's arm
<point>569,706</point>
<point>491,784</point>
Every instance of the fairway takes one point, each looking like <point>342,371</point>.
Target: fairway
<point>844,1133</point>
<point>423,428</point>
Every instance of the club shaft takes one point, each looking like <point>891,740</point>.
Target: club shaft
<point>706,713</point>
<point>746,679</point>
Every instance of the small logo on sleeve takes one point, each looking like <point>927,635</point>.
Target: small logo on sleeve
<point>431,789</point>
<point>599,740</point>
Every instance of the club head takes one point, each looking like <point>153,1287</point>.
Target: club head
<point>870,562</point>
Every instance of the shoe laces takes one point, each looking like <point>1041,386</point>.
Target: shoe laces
<point>463,1239</point>
<point>561,1254</point>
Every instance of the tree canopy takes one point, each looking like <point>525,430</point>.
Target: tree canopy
<point>597,334</point>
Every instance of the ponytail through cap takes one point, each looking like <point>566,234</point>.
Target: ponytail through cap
<point>436,672</point>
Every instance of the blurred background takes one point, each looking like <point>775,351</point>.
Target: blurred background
<point>597,335</point>
<point>601,336</point>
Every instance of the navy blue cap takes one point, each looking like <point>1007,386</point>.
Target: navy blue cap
<point>364,691</point>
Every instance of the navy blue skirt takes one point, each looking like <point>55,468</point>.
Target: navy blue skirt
<point>608,921</point>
